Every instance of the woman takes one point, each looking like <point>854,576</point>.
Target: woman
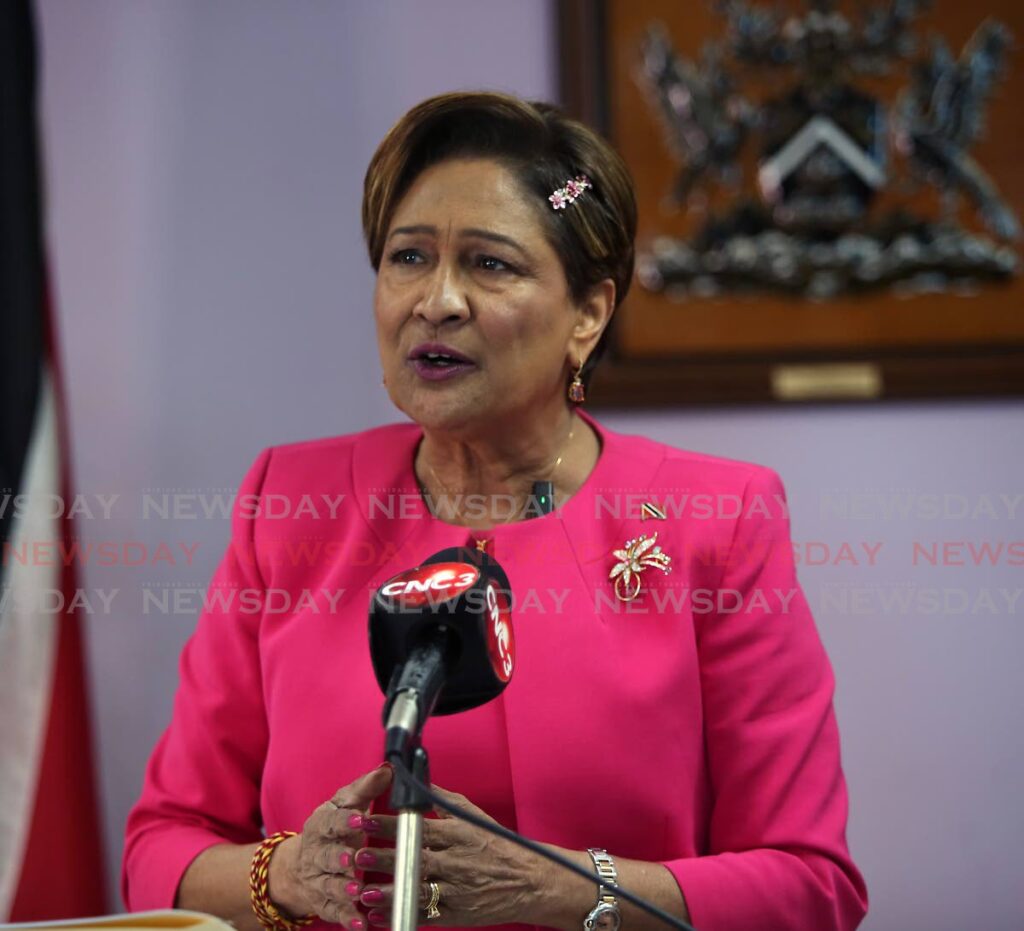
<point>671,711</point>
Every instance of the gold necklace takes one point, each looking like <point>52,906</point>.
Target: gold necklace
<point>550,470</point>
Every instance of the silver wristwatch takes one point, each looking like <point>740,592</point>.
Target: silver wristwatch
<point>604,916</point>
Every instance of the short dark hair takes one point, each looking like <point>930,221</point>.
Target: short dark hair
<point>543,148</point>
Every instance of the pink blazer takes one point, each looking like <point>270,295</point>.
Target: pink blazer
<point>692,726</point>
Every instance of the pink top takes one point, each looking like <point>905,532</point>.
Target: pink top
<point>692,726</point>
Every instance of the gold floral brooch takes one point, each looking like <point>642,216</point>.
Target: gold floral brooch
<point>638,555</point>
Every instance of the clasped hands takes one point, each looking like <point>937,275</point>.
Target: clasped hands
<point>482,879</point>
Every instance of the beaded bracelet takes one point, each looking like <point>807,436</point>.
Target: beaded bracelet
<point>267,915</point>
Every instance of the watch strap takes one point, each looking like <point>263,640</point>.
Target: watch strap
<point>606,873</point>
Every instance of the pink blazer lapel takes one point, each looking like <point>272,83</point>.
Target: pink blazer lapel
<point>572,713</point>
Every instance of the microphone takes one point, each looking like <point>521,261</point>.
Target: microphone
<point>440,641</point>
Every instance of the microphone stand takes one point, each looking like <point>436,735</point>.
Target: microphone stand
<point>410,803</point>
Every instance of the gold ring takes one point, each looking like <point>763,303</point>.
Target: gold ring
<point>435,896</point>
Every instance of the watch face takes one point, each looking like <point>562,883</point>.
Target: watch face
<point>604,918</point>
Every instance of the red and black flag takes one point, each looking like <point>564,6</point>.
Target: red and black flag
<point>51,863</point>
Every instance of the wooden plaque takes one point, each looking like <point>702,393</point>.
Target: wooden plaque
<point>752,348</point>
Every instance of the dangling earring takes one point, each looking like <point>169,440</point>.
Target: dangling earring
<point>577,393</point>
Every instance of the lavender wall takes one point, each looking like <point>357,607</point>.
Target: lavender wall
<point>205,162</point>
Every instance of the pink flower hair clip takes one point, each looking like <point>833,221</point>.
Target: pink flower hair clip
<point>569,193</point>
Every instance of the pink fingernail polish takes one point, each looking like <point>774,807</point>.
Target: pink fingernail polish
<point>352,889</point>
<point>378,917</point>
<point>357,924</point>
<point>345,860</point>
<point>372,897</point>
<point>355,822</point>
<point>371,824</point>
<point>365,858</point>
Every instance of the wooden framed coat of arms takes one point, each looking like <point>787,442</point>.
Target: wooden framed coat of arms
<point>831,195</point>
